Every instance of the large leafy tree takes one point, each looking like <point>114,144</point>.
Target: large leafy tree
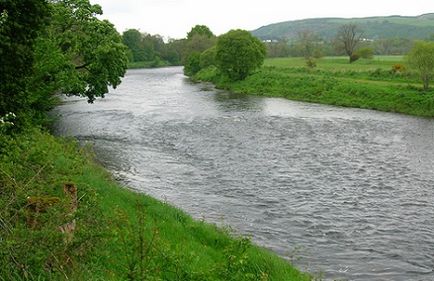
<point>421,58</point>
<point>18,31</point>
<point>80,54</point>
<point>199,39</point>
<point>238,53</point>
<point>132,38</point>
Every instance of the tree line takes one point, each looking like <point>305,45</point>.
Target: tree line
<point>144,47</point>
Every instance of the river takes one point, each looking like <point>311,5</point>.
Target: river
<point>346,192</point>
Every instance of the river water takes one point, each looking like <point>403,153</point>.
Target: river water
<point>345,192</point>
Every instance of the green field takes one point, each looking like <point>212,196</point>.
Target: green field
<point>339,63</point>
<point>370,84</point>
<point>120,234</point>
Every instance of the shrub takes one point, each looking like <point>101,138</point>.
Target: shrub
<point>239,53</point>
<point>354,57</point>
<point>207,58</point>
<point>365,53</point>
<point>398,68</point>
<point>192,64</point>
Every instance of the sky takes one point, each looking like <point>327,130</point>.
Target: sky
<point>174,18</point>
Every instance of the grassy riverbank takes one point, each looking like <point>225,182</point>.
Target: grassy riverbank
<point>370,84</point>
<point>119,234</point>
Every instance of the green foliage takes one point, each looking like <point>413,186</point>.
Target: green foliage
<point>277,49</point>
<point>238,54</point>
<point>150,50</point>
<point>148,64</point>
<point>52,47</point>
<point>354,57</point>
<point>210,74</point>
<point>365,53</point>
<point>93,56</point>
<point>198,44</point>
<point>17,36</point>
<point>310,62</point>
<point>132,38</point>
<point>207,58</point>
<point>421,58</point>
<point>201,30</point>
<point>192,65</point>
<point>308,44</point>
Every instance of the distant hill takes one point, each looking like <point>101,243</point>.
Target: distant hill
<point>419,27</point>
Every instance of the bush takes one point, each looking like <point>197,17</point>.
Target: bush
<point>192,64</point>
<point>354,57</point>
<point>207,58</point>
<point>365,53</point>
<point>310,62</point>
<point>239,53</point>
<point>398,68</point>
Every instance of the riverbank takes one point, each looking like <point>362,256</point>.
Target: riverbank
<point>369,85</point>
<point>148,64</point>
<point>118,234</point>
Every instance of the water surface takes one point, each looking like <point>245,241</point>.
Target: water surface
<point>347,192</point>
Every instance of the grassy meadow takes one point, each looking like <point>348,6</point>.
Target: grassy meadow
<point>339,63</point>
<point>382,83</point>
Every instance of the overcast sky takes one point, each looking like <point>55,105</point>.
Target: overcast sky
<point>174,18</point>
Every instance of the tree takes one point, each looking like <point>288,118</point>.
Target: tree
<point>308,46</point>
<point>199,39</point>
<point>277,49</point>
<point>365,53</point>
<point>421,58</point>
<point>192,64</point>
<point>347,39</point>
<point>238,54</point>
<point>201,30</point>
<point>132,38</point>
<point>18,33</point>
<point>80,54</point>
<point>207,58</point>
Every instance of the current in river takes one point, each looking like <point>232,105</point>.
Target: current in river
<point>345,192</point>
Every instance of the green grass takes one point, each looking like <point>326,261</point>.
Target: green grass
<point>120,234</point>
<point>366,84</point>
<point>339,63</point>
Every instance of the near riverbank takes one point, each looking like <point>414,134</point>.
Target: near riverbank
<point>381,84</point>
<point>117,235</point>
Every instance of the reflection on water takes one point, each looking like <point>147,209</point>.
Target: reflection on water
<point>351,190</point>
